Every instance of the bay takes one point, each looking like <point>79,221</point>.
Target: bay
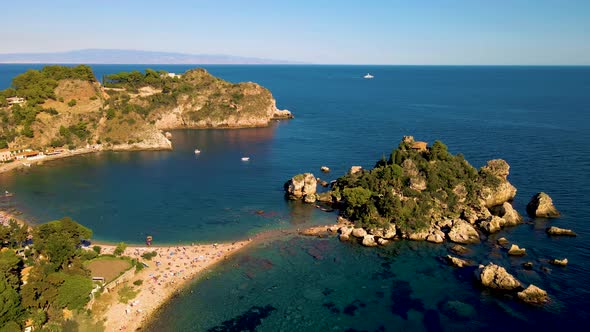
<point>536,118</point>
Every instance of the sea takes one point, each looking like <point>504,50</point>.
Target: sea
<point>535,118</point>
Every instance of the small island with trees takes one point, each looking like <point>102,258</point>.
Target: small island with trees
<point>425,193</point>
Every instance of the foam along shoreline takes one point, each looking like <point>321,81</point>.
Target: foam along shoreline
<point>172,269</point>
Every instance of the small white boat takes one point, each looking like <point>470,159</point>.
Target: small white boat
<point>368,76</point>
<point>245,158</point>
<point>197,151</point>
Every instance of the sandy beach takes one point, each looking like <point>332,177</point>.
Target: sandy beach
<point>20,163</point>
<point>168,272</point>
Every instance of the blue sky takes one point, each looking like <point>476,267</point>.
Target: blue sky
<point>349,32</point>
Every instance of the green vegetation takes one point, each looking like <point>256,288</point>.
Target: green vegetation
<point>65,106</point>
<point>135,79</point>
<point>120,249</point>
<point>126,294</point>
<point>36,86</point>
<point>55,274</point>
<point>411,189</point>
<point>149,255</point>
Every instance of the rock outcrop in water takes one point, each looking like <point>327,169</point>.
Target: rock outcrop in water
<point>496,277</point>
<point>516,250</point>
<point>541,206</point>
<point>533,295</point>
<point>425,194</point>
<point>302,186</point>
<point>560,231</point>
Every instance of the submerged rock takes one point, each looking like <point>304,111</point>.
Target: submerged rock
<point>459,249</point>
<point>496,277</point>
<point>560,262</point>
<point>463,232</point>
<point>516,251</point>
<point>541,206</point>
<point>527,265</point>
<point>533,295</point>
<point>458,310</point>
<point>560,231</point>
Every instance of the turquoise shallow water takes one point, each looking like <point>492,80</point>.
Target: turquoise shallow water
<point>537,118</point>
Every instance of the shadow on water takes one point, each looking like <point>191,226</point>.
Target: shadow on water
<point>401,296</point>
<point>247,321</point>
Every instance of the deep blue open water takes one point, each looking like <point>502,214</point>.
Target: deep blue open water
<point>536,118</point>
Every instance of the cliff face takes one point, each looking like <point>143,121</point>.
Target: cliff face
<point>130,111</point>
<point>220,104</point>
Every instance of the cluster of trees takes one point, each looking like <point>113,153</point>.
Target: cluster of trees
<point>374,198</point>
<point>136,79</point>
<point>67,134</point>
<point>36,86</point>
<point>57,278</point>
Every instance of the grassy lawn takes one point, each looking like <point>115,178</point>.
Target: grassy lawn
<point>108,267</point>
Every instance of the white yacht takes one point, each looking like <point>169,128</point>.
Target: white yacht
<point>368,76</point>
<point>197,151</point>
<point>245,158</point>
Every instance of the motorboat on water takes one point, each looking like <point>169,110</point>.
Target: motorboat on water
<point>245,158</point>
<point>368,76</point>
<point>197,151</point>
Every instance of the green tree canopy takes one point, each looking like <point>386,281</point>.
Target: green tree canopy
<point>59,239</point>
<point>74,292</point>
<point>10,306</point>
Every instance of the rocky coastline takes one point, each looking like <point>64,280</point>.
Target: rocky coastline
<point>82,115</point>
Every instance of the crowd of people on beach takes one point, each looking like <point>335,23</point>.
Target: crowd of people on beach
<point>165,273</point>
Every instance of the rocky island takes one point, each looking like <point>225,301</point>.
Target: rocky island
<point>60,109</point>
<point>420,193</point>
<point>425,193</point>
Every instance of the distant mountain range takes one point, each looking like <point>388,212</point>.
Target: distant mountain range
<point>110,56</point>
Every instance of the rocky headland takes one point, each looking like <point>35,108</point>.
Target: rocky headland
<point>62,109</point>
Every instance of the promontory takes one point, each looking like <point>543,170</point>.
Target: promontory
<point>60,108</point>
